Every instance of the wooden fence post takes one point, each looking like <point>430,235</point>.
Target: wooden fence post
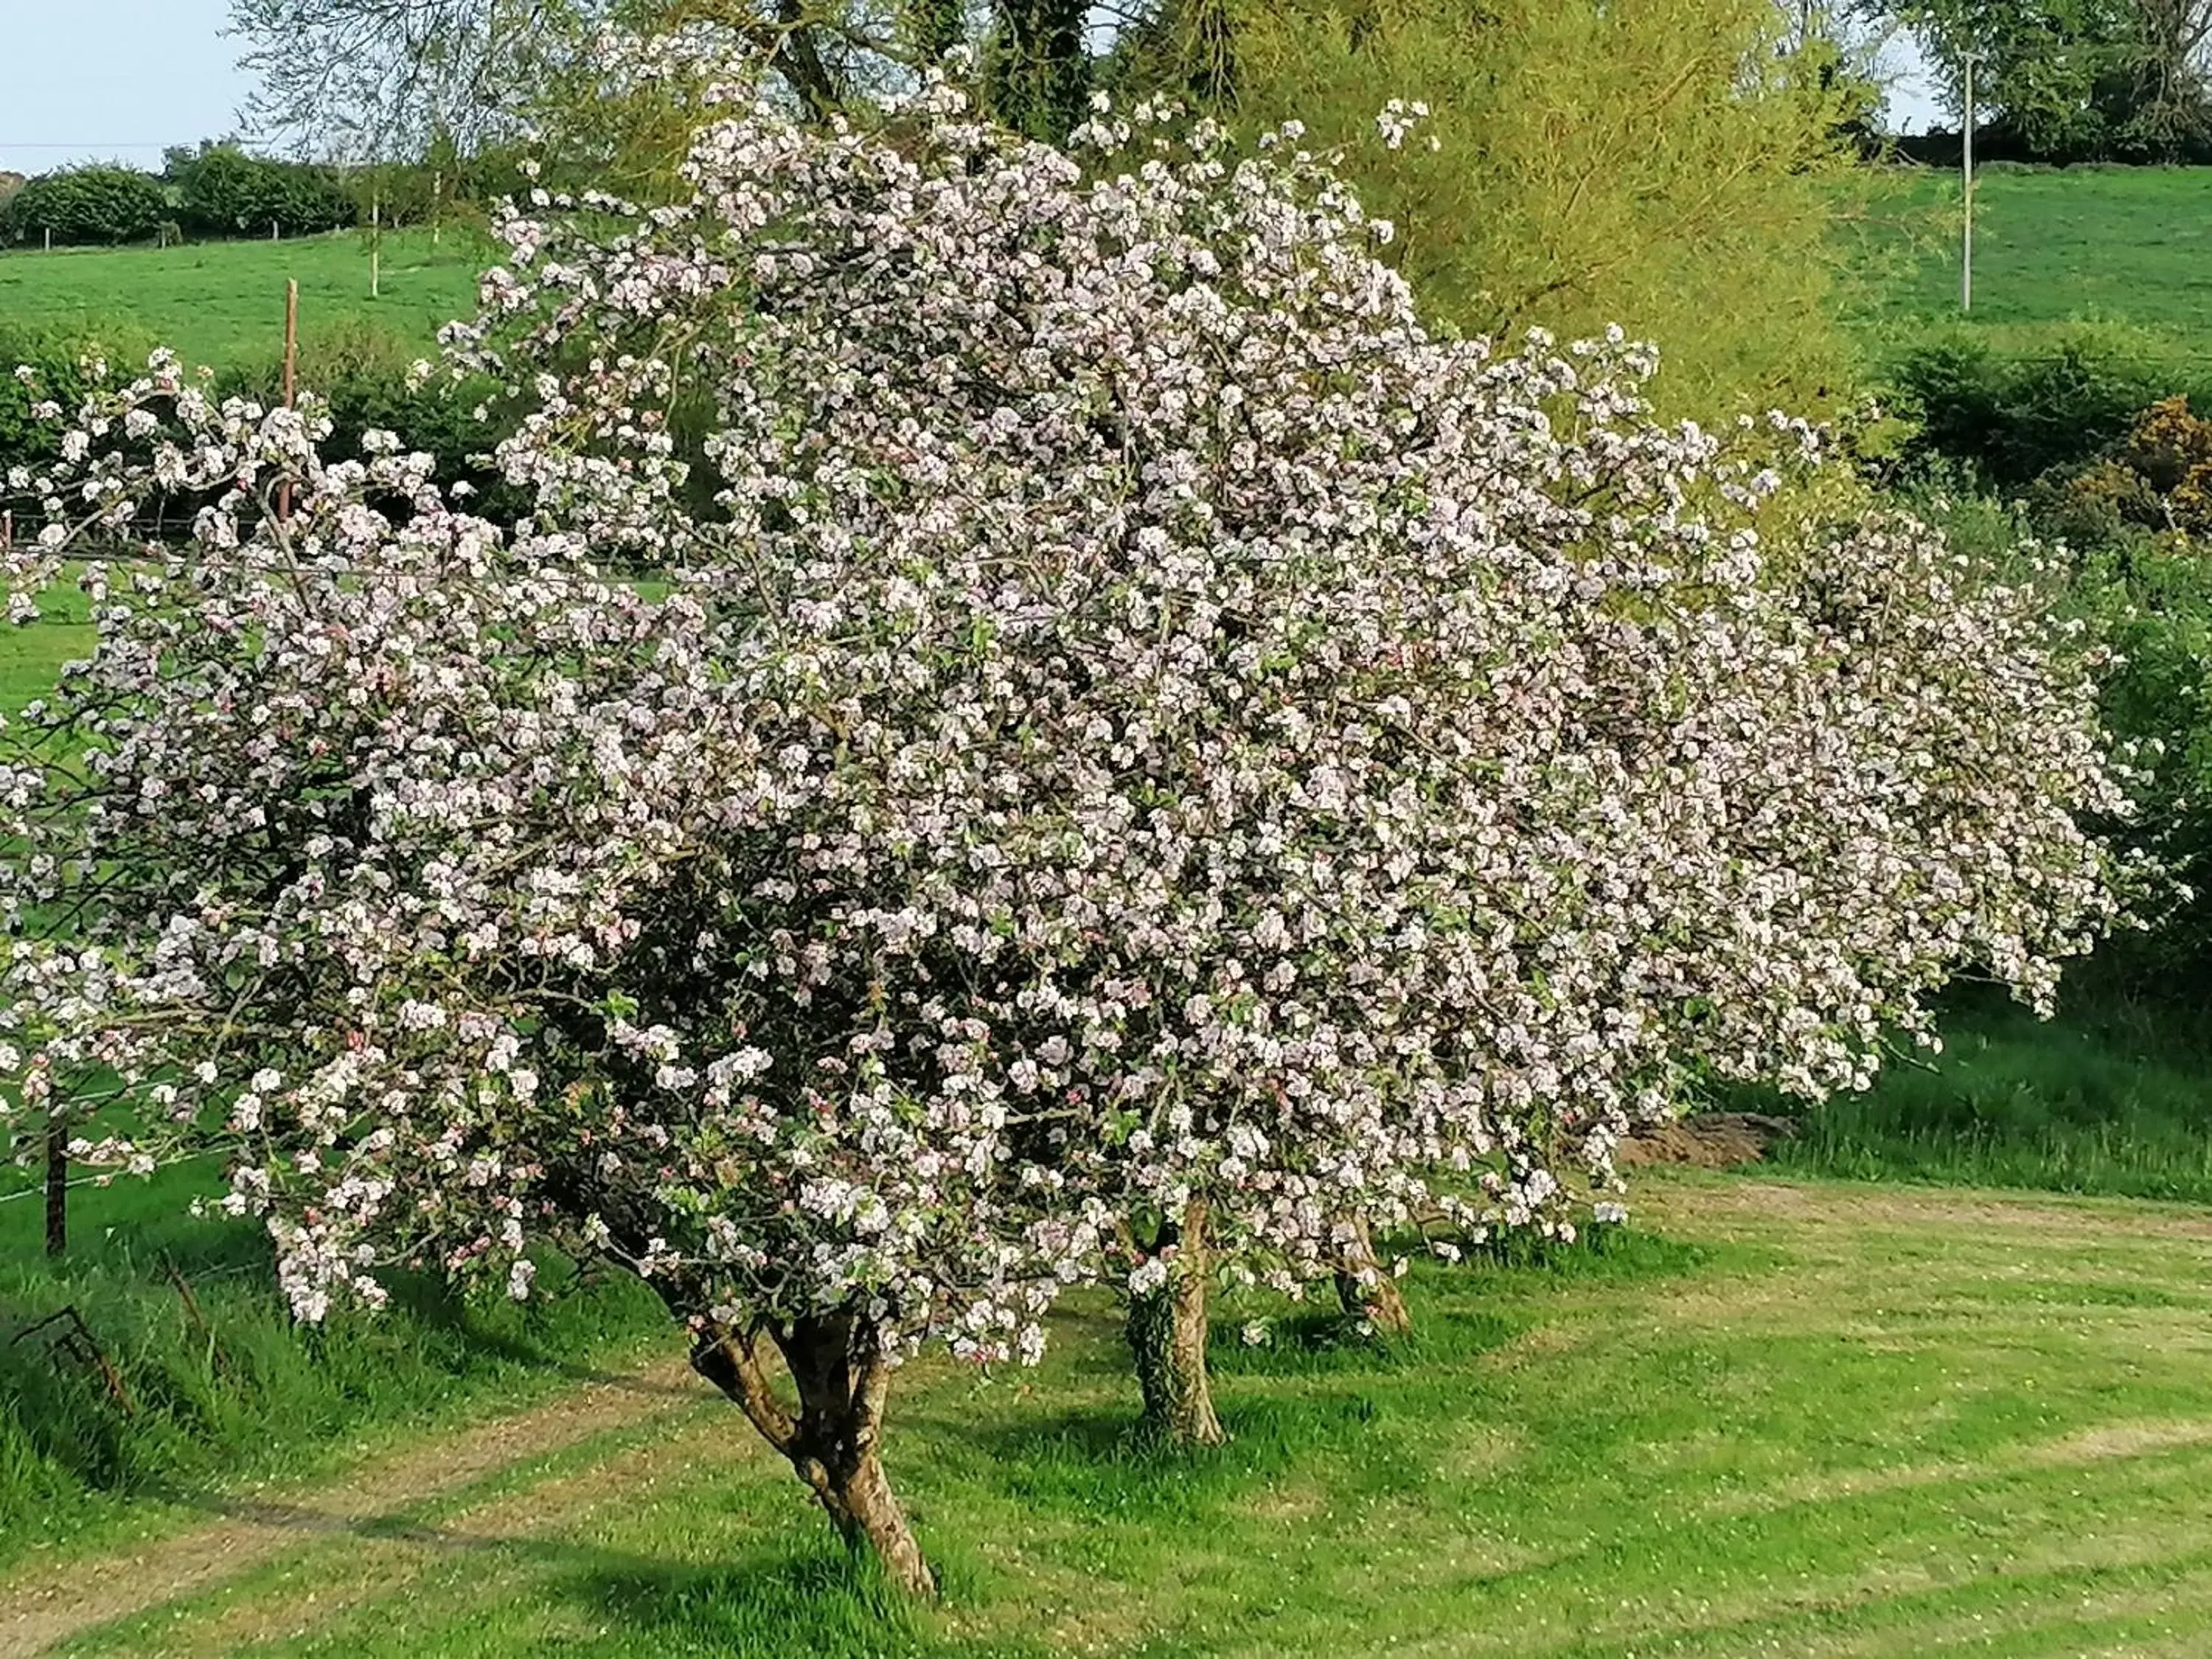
<point>57,1121</point>
<point>291,382</point>
<point>57,1182</point>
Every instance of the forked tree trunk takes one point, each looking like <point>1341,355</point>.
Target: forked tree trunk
<point>1366,1287</point>
<point>1167,1334</point>
<point>836,1362</point>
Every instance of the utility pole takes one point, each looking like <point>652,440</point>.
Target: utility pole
<point>1966,175</point>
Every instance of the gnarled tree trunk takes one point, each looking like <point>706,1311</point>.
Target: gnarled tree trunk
<point>836,1362</point>
<point>1366,1287</point>
<point>1167,1334</point>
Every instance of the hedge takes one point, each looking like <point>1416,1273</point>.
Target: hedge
<point>223,192</point>
<point>87,205</point>
<point>2015,409</point>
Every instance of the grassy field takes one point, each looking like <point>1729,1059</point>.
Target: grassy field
<point>32,654</point>
<point>1791,1418</point>
<point>222,303</point>
<point>2131,246</point>
<point>2113,244</point>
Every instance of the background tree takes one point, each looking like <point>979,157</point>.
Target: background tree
<point>477,72</point>
<point>1039,66</point>
<point>2077,79</point>
<point>1837,53</point>
<point>96,204</point>
<point>223,192</point>
<point>393,74</point>
<point>2171,115</point>
<point>2059,76</point>
<point>1660,165</point>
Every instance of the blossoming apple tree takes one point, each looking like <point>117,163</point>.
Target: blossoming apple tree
<point>1138,760</point>
<point>1454,766</point>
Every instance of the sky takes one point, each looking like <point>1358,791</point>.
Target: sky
<point>98,80</point>
<point>1912,106</point>
<point>83,80</point>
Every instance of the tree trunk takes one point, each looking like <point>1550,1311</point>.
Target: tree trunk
<point>1167,1334</point>
<point>860,1502</point>
<point>836,1361</point>
<point>1366,1287</point>
<point>1040,72</point>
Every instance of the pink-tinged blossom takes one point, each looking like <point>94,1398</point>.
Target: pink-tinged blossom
<point>1130,717</point>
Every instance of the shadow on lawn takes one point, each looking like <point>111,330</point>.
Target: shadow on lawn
<point>824,1603</point>
<point>767,1601</point>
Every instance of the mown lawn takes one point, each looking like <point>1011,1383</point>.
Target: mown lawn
<point>1780,1417</point>
<point>222,303</point>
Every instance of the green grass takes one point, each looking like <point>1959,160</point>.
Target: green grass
<point>2109,1099</point>
<point>222,303</point>
<point>1787,1419</point>
<point>245,1394</point>
<point>2121,245</point>
<point>32,654</point>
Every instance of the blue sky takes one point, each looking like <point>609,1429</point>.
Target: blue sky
<point>113,78</point>
<point>100,79</point>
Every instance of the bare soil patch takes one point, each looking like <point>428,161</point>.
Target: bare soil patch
<point>1712,1140</point>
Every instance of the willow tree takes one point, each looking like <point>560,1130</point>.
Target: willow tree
<point>1665,166</point>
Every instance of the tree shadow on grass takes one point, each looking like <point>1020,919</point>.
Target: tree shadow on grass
<point>1315,1343</point>
<point>1102,1466</point>
<point>824,1603</point>
<point>531,1343</point>
<point>767,1601</point>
